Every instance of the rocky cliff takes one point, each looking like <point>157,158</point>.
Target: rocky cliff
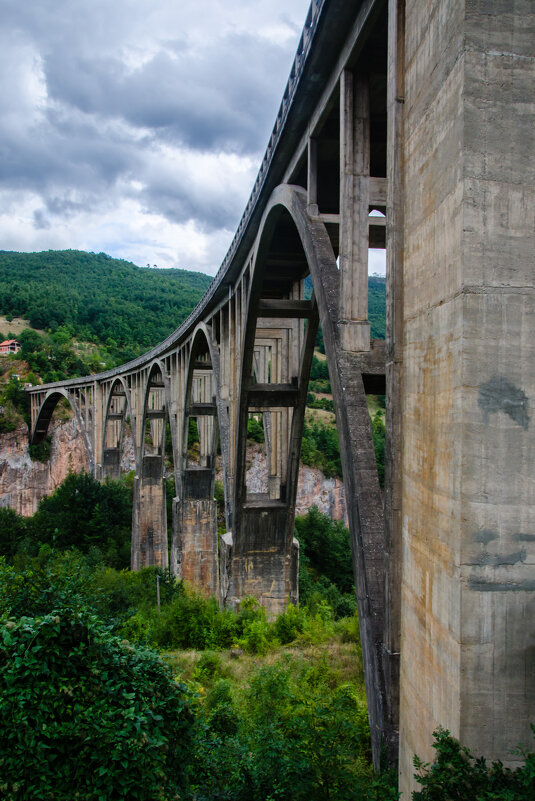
<point>23,482</point>
<point>313,488</point>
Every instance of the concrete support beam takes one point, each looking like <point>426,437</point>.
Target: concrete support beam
<point>354,203</point>
<point>468,497</point>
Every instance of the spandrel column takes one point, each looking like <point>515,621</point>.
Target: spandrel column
<point>354,210</point>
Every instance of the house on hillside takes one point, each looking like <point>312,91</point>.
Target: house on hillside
<point>9,346</point>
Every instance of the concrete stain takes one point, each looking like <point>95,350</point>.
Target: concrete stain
<point>497,560</point>
<point>486,535</point>
<point>500,395</point>
<point>486,585</point>
<point>520,537</point>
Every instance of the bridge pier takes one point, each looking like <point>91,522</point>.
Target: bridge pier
<point>263,561</point>
<point>111,463</point>
<point>149,516</point>
<point>467,150</point>
<point>194,547</point>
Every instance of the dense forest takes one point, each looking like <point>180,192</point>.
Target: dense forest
<point>98,297</point>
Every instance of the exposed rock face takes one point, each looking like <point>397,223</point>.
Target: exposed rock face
<point>328,494</point>
<point>24,482</point>
<point>313,488</point>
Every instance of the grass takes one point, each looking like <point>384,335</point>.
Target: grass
<point>344,660</point>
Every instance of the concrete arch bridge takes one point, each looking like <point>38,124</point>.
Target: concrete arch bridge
<point>422,112</point>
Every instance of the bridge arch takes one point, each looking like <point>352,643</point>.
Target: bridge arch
<point>118,407</point>
<point>195,549</point>
<point>308,249</point>
<point>44,416</point>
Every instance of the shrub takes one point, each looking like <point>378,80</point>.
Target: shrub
<point>41,452</point>
<point>456,775</point>
<point>81,710</point>
<point>289,624</point>
<point>255,430</point>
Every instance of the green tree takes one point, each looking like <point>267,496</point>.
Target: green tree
<point>83,714</point>
<point>12,531</point>
<point>84,513</point>
<point>456,775</point>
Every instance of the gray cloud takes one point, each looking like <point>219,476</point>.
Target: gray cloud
<point>105,106</point>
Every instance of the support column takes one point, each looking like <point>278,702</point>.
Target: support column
<point>149,516</point>
<point>111,463</point>
<point>467,463</point>
<point>354,210</point>
<point>262,559</point>
<point>195,537</point>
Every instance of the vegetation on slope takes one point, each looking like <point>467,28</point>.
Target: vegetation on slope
<point>100,298</point>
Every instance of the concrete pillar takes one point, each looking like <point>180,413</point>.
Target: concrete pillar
<point>195,543</point>
<point>354,203</point>
<point>261,559</point>
<point>468,494</point>
<point>149,516</point>
<point>111,463</point>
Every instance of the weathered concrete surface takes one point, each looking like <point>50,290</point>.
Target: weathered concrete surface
<point>266,565</point>
<point>468,505</point>
<point>197,560</point>
<point>149,516</point>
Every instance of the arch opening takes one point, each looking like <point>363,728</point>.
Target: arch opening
<point>149,515</point>
<point>118,444</point>
<point>78,402</point>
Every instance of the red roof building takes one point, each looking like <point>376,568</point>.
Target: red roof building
<point>9,346</point>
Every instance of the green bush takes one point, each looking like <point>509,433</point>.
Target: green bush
<point>38,585</point>
<point>85,715</point>
<point>255,430</point>
<point>456,775</point>
<point>41,452</point>
<point>320,448</point>
<point>12,531</point>
<point>290,624</point>
<point>378,433</point>
<point>325,551</point>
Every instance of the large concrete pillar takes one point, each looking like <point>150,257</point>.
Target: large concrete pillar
<point>149,516</point>
<point>467,455</point>
<point>194,549</point>
<point>111,463</point>
<point>262,560</point>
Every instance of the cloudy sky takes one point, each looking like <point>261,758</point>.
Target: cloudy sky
<point>136,127</point>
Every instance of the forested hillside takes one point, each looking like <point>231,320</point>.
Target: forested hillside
<point>98,297</point>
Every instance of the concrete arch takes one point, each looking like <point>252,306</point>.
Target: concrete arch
<point>155,367</point>
<point>365,509</point>
<point>111,454</point>
<point>194,551</point>
<point>44,417</point>
<point>202,339</point>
